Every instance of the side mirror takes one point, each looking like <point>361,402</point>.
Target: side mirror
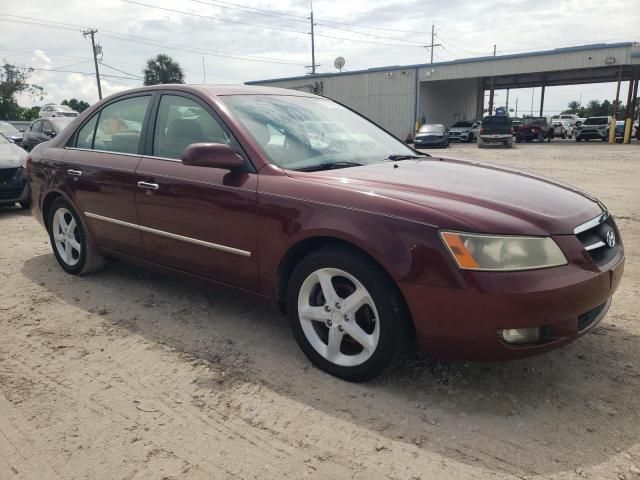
<point>49,133</point>
<point>212,155</point>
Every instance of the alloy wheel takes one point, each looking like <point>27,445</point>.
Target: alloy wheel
<point>66,236</point>
<point>338,317</point>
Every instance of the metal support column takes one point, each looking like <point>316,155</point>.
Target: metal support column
<point>491,93</point>
<point>542,98</point>
<point>627,116</point>
<point>614,113</point>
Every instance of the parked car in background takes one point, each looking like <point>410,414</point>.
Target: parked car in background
<point>495,130</point>
<point>367,248</point>
<point>464,131</point>
<point>594,128</point>
<point>13,181</point>
<point>535,128</point>
<point>11,132</point>
<point>57,111</point>
<point>562,129</point>
<point>42,130</point>
<point>515,123</point>
<point>431,135</point>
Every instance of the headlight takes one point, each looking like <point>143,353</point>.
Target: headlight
<point>502,253</point>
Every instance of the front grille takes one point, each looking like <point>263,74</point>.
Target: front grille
<point>7,174</point>
<point>593,237</point>
<point>10,194</point>
<point>589,317</point>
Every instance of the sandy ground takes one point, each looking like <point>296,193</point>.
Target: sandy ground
<point>127,374</point>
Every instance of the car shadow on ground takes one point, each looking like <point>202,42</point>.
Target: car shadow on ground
<point>6,211</point>
<point>541,415</point>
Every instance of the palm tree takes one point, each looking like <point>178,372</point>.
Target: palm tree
<point>573,106</point>
<point>162,69</point>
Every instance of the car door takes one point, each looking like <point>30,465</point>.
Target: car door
<point>33,134</point>
<point>196,219</point>
<point>100,167</point>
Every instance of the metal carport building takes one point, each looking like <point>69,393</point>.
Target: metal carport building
<point>397,96</point>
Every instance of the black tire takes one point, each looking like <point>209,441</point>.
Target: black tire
<point>518,139</point>
<point>540,137</point>
<point>578,139</point>
<point>26,205</point>
<point>89,261</point>
<point>394,323</point>
<point>470,138</point>
<point>564,136</point>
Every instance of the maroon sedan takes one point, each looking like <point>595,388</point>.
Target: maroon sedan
<point>364,242</point>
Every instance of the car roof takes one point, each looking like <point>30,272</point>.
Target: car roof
<point>217,90</point>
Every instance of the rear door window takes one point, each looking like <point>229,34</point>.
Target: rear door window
<point>120,125</point>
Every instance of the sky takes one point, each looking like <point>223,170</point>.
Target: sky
<point>233,42</point>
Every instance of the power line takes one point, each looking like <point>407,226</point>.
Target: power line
<point>89,74</point>
<point>268,27</point>
<point>121,71</point>
<point>131,38</point>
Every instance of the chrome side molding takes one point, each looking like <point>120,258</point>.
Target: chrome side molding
<point>174,236</point>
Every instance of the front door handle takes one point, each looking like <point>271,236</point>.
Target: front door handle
<point>75,173</point>
<point>151,186</point>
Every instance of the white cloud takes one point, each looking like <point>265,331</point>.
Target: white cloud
<point>463,27</point>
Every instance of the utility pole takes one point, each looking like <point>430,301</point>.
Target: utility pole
<point>97,49</point>
<point>516,107</point>
<point>204,73</point>
<point>313,45</point>
<point>433,34</point>
<point>494,50</point>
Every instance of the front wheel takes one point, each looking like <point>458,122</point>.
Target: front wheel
<point>346,314</point>
<point>71,244</point>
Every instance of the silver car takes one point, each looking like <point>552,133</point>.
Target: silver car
<point>464,131</point>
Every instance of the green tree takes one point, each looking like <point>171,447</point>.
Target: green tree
<point>14,81</point>
<point>573,106</point>
<point>77,105</point>
<point>593,108</point>
<point>162,69</point>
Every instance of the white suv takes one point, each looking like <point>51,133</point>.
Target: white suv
<point>594,127</point>
<point>57,111</point>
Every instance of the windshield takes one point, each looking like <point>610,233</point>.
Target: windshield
<point>536,121</point>
<point>462,125</point>
<point>431,128</point>
<point>60,122</point>
<point>596,121</point>
<point>497,120</point>
<point>8,128</point>
<point>306,133</point>
<point>3,140</point>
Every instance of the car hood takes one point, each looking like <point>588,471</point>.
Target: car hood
<point>460,129</point>
<point>489,198</point>
<point>11,156</point>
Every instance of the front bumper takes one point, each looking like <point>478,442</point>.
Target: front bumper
<point>14,190</point>
<point>430,142</point>
<point>463,323</point>
<point>591,135</point>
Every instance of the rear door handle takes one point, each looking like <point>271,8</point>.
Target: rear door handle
<point>75,173</point>
<point>151,186</point>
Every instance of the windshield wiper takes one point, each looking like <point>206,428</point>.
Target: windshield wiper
<point>394,158</point>
<point>329,166</point>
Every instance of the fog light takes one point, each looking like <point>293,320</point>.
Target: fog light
<point>520,335</point>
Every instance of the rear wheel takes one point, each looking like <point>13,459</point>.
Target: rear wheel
<point>71,244</point>
<point>518,139</point>
<point>346,314</point>
<point>541,137</point>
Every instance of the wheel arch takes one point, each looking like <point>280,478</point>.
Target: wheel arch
<point>303,247</point>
